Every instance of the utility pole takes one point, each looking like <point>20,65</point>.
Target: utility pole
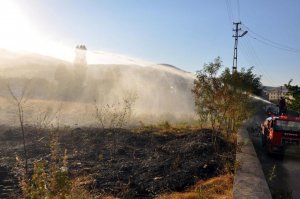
<point>236,36</point>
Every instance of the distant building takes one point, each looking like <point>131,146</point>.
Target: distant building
<point>276,93</point>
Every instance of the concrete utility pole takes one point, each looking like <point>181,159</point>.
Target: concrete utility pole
<point>236,36</point>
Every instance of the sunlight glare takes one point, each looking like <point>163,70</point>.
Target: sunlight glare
<point>17,34</point>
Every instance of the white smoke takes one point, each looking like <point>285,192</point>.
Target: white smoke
<point>163,92</point>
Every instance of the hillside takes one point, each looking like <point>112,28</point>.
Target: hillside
<point>159,90</point>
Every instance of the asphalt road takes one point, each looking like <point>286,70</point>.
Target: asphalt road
<point>282,172</point>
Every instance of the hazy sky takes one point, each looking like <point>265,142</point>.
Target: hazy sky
<point>184,33</point>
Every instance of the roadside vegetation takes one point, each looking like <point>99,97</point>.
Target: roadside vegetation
<point>293,97</point>
<point>224,100</point>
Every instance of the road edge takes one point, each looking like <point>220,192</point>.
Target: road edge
<point>249,179</point>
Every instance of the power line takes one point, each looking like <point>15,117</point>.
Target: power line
<point>250,57</point>
<point>255,60</point>
<point>271,43</point>
<point>259,62</point>
<point>274,46</point>
<point>229,11</point>
<point>239,10</point>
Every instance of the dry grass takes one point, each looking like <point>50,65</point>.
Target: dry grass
<point>214,188</point>
<point>78,188</point>
<point>166,128</point>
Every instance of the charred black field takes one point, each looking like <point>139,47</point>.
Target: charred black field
<point>139,163</point>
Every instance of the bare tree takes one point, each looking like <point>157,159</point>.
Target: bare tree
<point>19,101</point>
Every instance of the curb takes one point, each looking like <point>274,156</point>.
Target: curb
<point>249,179</point>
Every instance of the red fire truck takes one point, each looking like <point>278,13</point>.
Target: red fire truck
<point>281,133</point>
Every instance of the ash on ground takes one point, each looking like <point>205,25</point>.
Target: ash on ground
<point>123,163</point>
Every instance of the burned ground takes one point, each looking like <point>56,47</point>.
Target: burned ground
<point>123,163</point>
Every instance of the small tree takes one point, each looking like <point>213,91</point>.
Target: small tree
<point>244,80</point>
<point>207,90</point>
<point>237,87</point>
<point>293,97</point>
<point>223,100</point>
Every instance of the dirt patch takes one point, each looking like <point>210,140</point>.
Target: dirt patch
<point>127,164</point>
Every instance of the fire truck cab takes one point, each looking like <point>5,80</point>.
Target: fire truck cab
<point>279,133</point>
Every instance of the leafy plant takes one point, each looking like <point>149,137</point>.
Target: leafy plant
<point>223,101</point>
<point>293,97</point>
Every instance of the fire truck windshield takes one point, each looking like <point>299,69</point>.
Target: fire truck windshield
<point>284,125</point>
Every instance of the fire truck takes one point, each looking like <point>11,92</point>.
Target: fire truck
<point>280,134</point>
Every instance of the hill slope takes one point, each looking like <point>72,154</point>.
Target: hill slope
<point>160,90</point>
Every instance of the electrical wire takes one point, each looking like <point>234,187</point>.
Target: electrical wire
<point>239,10</point>
<point>259,62</point>
<point>274,46</point>
<point>249,53</point>
<point>229,12</point>
<point>270,43</point>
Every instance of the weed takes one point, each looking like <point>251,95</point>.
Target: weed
<point>272,174</point>
<point>277,193</point>
<point>50,179</point>
<point>115,115</point>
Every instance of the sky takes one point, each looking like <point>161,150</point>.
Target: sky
<point>183,33</point>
